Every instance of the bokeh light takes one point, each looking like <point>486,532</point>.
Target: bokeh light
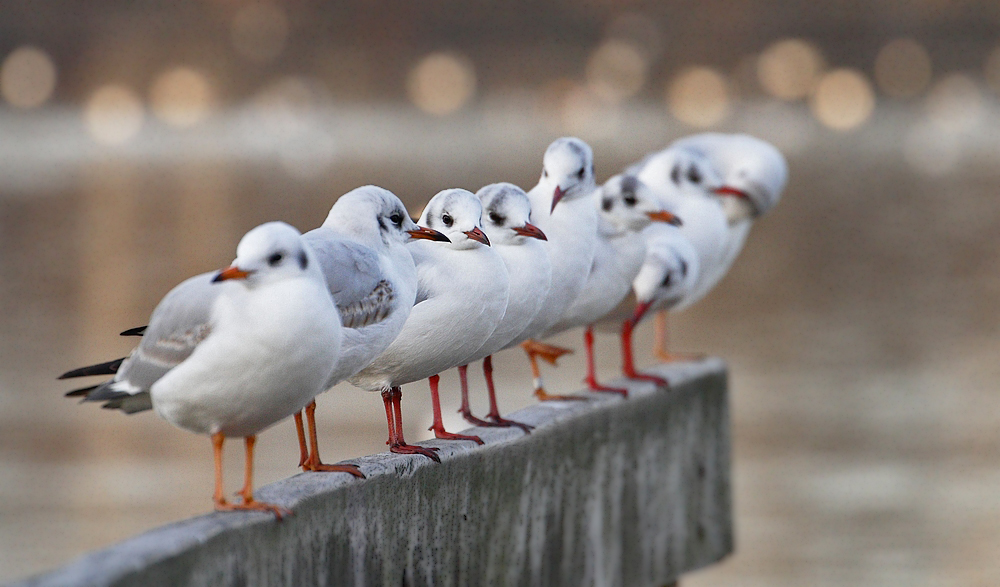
<point>789,69</point>
<point>991,70</point>
<point>27,77</point>
<point>442,83</point>
<point>259,32</point>
<point>181,97</point>
<point>114,114</point>
<point>285,117</point>
<point>903,68</point>
<point>955,103</point>
<point>616,70</point>
<point>931,152</point>
<point>843,99</point>
<point>699,96</point>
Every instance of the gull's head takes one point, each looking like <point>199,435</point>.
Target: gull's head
<point>270,252</point>
<point>567,170</point>
<point>752,170</point>
<point>507,214</point>
<point>456,213</point>
<point>375,215</point>
<point>678,170</point>
<point>628,205</point>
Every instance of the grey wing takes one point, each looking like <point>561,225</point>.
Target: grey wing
<point>178,324</point>
<point>354,278</point>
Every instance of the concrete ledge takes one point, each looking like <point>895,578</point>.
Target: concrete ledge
<point>608,492</point>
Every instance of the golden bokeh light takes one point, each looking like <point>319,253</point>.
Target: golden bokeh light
<point>181,97</point>
<point>442,83</point>
<point>259,31</point>
<point>616,71</point>
<point>903,68</point>
<point>955,103</point>
<point>844,99</point>
<point>789,69</point>
<point>699,96</point>
<point>114,115</point>
<point>27,77</point>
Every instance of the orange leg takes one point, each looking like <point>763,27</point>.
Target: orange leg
<point>313,462</point>
<point>438,425</point>
<point>247,492</point>
<point>301,432</point>
<point>550,354</point>
<point>661,343</point>
<point>392,398</point>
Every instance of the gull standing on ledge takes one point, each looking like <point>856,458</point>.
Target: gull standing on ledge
<point>561,206</point>
<point>361,249</point>
<point>461,298</point>
<point>626,207</point>
<point>506,215</point>
<point>230,353</point>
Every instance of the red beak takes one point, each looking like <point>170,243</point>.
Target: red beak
<point>531,230</point>
<point>478,235</point>
<point>231,272</point>
<point>429,234</point>
<point>556,196</point>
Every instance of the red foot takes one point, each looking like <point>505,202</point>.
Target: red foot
<point>324,468</point>
<point>257,506</point>
<point>659,381</point>
<point>410,449</point>
<point>474,420</point>
<point>445,435</point>
<point>505,423</point>
<point>595,386</point>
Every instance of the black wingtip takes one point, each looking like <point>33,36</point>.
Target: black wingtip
<point>137,331</point>
<point>109,368</point>
<point>83,391</point>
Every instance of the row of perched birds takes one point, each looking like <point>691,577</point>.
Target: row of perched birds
<point>372,298</point>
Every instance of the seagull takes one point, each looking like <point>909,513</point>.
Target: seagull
<point>686,180</point>
<point>461,299</point>
<point>626,207</point>
<point>505,220</point>
<point>361,249</point>
<point>230,353</point>
<point>561,206</point>
<point>750,175</point>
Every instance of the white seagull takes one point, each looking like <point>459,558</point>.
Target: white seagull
<point>561,206</point>
<point>506,215</point>
<point>461,298</point>
<point>626,207</point>
<point>361,249</point>
<point>230,353</point>
<point>686,180</point>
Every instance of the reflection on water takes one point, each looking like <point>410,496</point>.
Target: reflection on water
<point>859,324</point>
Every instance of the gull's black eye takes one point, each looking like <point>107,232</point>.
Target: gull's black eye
<point>447,219</point>
<point>630,200</point>
<point>497,219</point>
<point>581,173</point>
<point>694,175</point>
<point>675,175</point>
<point>396,218</point>
<point>274,259</point>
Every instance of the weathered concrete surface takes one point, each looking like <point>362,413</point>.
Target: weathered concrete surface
<point>607,492</point>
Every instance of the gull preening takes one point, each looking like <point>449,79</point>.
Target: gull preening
<point>230,353</point>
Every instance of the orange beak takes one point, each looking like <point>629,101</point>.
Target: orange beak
<point>664,216</point>
<point>478,235</point>
<point>531,230</point>
<point>429,234</point>
<point>231,272</point>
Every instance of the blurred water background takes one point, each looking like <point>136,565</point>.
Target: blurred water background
<point>139,141</point>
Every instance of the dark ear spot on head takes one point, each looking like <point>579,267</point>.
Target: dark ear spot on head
<point>684,268</point>
<point>303,260</point>
<point>607,204</point>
